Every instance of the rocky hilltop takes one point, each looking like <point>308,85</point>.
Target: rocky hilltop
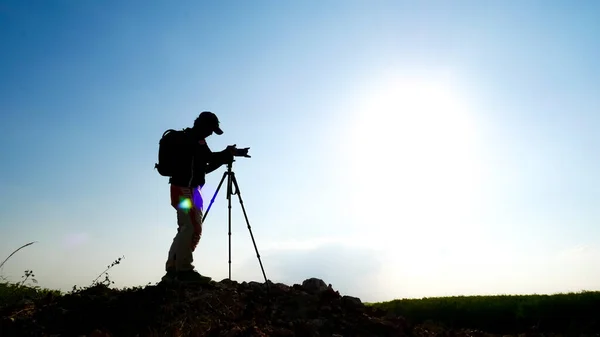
<point>225,308</point>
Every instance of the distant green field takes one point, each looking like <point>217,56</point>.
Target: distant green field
<point>570,313</point>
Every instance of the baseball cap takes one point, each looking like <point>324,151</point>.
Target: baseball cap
<point>210,119</point>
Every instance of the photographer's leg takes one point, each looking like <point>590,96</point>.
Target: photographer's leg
<point>170,267</point>
<point>170,264</point>
<point>180,256</point>
<point>189,219</point>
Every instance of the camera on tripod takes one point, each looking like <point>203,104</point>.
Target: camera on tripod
<point>239,152</point>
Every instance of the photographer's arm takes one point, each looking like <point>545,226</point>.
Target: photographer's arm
<point>217,159</point>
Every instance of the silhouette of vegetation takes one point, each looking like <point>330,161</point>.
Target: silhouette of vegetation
<point>19,292</point>
<point>14,252</point>
<point>16,293</point>
<point>229,308</point>
<point>569,313</point>
<point>12,293</point>
<point>107,280</point>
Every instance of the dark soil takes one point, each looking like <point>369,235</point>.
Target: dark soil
<point>225,308</point>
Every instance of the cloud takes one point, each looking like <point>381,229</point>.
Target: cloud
<point>580,252</point>
<point>352,270</point>
<point>313,243</point>
<point>74,240</point>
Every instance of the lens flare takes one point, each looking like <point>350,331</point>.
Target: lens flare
<point>185,204</point>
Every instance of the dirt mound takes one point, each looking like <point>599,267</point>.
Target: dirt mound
<point>225,308</point>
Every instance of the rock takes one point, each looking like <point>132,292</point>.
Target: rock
<point>227,283</point>
<point>282,286</point>
<point>279,289</point>
<point>255,285</point>
<point>314,286</point>
<point>352,301</point>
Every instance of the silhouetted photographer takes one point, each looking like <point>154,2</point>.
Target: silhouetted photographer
<point>185,157</point>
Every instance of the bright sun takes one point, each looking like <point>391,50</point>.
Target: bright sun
<point>413,158</point>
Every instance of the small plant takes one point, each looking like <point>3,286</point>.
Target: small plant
<point>107,281</point>
<point>13,253</point>
<point>28,274</point>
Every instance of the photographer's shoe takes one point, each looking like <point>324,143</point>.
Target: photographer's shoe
<point>192,276</point>
<point>169,277</point>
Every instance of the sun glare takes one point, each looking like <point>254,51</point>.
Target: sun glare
<point>414,164</point>
<point>412,158</point>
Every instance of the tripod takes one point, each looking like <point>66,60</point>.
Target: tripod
<point>232,182</point>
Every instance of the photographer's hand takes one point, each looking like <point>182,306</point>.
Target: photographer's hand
<point>232,149</point>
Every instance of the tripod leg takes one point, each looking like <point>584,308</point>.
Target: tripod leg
<point>232,177</point>
<point>215,195</point>
<point>229,215</point>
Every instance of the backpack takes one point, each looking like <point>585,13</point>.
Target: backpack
<point>170,152</point>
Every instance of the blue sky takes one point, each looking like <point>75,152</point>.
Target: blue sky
<point>399,148</point>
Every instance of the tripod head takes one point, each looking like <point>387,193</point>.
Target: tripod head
<point>237,153</point>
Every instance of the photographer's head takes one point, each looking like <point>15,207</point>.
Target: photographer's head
<point>205,124</point>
